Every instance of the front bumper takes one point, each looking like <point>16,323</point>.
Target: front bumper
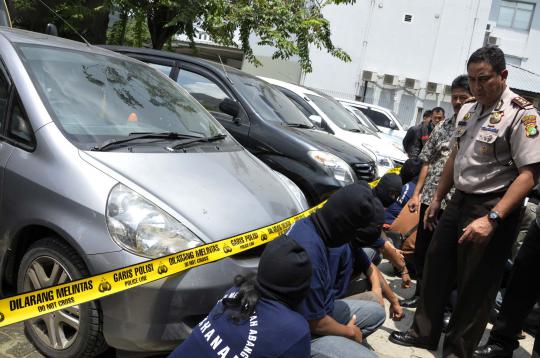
<point>156,316</point>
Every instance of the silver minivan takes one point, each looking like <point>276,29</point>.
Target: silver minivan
<point>104,163</point>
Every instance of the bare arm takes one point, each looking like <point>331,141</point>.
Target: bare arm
<point>396,312</point>
<point>373,275</point>
<point>327,326</point>
<point>480,229</point>
<point>397,260</point>
<point>421,179</point>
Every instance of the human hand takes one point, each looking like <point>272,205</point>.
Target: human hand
<point>430,218</point>
<point>414,203</point>
<point>356,333</point>
<point>478,231</point>
<point>396,312</point>
<point>406,281</point>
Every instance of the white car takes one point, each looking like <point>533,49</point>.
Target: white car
<point>383,118</point>
<point>365,121</point>
<point>331,116</point>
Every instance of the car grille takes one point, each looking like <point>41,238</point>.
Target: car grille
<point>365,171</point>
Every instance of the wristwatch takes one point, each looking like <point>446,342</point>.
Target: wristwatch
<point>494,216</point>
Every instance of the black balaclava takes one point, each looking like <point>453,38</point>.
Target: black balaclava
<point>410,170</point>
<point>366,236</point>
<point>347,210</point>
<point>284,272</point>
<point>389,183</point>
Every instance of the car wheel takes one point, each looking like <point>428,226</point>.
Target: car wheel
<point>76,331</point>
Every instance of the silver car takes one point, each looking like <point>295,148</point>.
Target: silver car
<point>105,162</point>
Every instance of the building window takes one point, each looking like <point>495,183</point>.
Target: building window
<point>513,60</point>
<point>515,14</point>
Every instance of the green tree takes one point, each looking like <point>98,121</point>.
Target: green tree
<point>290,26</point>
<point>89,17</point>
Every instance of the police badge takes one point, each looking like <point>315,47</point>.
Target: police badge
<point>496,117</point>
<point>529,123</point>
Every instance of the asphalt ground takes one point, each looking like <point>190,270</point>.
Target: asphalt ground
<point>13,343</point>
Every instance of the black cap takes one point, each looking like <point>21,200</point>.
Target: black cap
<point>389,183</point>
<point>284,272</point>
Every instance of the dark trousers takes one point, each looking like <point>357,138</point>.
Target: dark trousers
<point>521,294</point>
<point>476,269</point>
<point>423,239</point>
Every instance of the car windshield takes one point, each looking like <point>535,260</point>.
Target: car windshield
<point>94,97</point>
<point>364,120</point>
<point>269,102</point>
<point>337,113</point>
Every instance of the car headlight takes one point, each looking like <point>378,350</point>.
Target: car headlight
<point>295,190</point>
<point>142,228</point>
<point>382,160</point>
<point>335,166</point>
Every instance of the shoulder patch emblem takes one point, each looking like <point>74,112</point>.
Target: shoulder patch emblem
<point>529,123</point>
<point>521,102</point>
<point>470,100</point>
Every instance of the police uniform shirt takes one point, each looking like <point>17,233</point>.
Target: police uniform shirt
<point>272,331</point>
<point>323,287</point>
<point>493,145</point>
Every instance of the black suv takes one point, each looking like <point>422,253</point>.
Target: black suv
<point>265,122</point>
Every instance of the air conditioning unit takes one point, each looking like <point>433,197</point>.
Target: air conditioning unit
<point>369,76</point>
<point>411,83</point>
<point>431,87</point>
<point>391,80</point>
<point>492,40</point>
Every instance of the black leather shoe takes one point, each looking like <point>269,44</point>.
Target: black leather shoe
<point>410,302</point>
<point>408,340</point>
<point>446,321</point>
<point>492,351</point>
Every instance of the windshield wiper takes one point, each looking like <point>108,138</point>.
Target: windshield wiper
<point>299,125</point>
<point>355,130</point>
<point>141,135</point>
<point>187,142</point>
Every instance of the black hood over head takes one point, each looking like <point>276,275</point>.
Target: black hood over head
<point>410,170</point>
<point>347,210</point>
<point>367,236</point>
<point>284,272</point>
<point>389,183</point>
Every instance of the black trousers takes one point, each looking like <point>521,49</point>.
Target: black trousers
<point>423,239</point>
<point>522,292</point>
<point>476,269</point>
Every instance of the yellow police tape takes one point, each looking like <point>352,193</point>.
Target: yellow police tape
<point>36,303</point>
<point>396,170</point>
<point>32,304</point>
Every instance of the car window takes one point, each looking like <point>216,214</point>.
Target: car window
<point>363,119</point>
<point>166,70</point>
<point>337,113</point>
<point>94,97</point>
<point>19,125</point>
<point>270,103</point>
<point>207,92</point>
<point>378,118</point>
<point>4,98</point>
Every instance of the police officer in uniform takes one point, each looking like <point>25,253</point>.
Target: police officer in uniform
<point>495,164</point>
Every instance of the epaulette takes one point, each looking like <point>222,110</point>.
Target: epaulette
<point>470,100</point>
<point>521,102</point>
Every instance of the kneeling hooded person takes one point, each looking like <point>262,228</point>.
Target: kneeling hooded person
<point>255,318</point>
<point>337,325</point>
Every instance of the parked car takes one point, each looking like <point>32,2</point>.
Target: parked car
<point>365,121</point>
<point>330,115</point>
<point>264,121</point>
<point>106,162</point>
<point>385,119</point>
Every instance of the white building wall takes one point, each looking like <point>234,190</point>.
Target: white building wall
<point>433,47</point>
<point>519,43</point>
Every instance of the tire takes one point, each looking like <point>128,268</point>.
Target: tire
<point>72,332</point>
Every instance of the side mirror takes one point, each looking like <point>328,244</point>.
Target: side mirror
<point>51,29</point>
<point>317,120</point>
<point>392,125</point>
<point>230,107</point>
